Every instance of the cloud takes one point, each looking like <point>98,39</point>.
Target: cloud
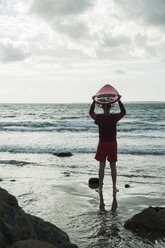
<point>10,52</point>
<point>111,54</point>
<point>153,46</point>
<point>50,9</point>
<point>81,29</point>
<point>60,56</point>
<point>64,16</point>
<point>113,41</point>
<point>148,11</point>
<point>119,71</point>
<point>75,30</point>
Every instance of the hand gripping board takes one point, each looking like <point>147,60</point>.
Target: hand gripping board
<point>106,94</point>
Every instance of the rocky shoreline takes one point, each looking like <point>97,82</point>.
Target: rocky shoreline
<point>150,219</point>
<point>21,230</point>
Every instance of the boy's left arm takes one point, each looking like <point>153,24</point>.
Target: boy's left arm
<point>91,111</point>
<point>122,111</point>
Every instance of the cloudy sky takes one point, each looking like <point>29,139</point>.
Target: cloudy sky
<point>65,50</point>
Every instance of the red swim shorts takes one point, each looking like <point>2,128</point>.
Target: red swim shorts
<point>106,150</point>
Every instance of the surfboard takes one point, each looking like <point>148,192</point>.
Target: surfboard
<point>106,95</point>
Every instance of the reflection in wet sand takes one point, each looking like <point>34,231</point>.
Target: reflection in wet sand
<point>102,204</point>
<point>109,226</point>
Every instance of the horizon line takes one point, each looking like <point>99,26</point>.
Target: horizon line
<point>137,101</point>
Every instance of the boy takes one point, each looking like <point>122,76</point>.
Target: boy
<point>107,146</point>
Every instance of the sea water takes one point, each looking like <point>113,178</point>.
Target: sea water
<point>56,189</point>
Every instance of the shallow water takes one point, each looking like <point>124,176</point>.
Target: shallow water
<point>56,189</point>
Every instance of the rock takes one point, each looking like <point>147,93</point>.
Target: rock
<point>31,243</point>
<point>152,219</point>
<point>67,173</point>
<point>127,186</point>
<point>93,183</point>
<point>16,225</point>
<point>12,180</point>
<point>1,179</point>
<point>63,154</point>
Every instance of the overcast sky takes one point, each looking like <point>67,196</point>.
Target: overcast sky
<point>65,50</point>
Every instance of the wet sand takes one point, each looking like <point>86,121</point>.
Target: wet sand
<point>64,198</point>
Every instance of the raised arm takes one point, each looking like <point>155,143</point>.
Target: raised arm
<point>91,111</point>
<point>122,108</point>
<point>122,111</point>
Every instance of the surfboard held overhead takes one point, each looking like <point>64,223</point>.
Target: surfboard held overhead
<point>106,95</point>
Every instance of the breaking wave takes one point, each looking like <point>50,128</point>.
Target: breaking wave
<point>45,150</point>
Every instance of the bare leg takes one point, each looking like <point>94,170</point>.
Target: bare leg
<point>101,175</point>
<point>114,203</point>
<point>102,205</point>
<point>114,175</point>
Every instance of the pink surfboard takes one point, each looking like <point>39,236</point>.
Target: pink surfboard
<point>106,94</point>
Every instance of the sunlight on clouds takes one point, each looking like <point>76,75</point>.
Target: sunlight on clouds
<point>80,43</point>
<point>77,27</point>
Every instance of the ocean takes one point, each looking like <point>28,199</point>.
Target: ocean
<point>56,188</point>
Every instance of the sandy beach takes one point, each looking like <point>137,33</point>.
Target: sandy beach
<point>64,198</point>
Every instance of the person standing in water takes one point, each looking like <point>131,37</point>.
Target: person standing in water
<point>107,145</point>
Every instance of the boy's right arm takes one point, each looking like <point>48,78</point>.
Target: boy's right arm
<point>91,111</point>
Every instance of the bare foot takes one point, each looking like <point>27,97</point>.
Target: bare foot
<point>98,190</point>
<point>115,190</point>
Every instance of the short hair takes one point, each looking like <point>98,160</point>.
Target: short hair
<point>106,106</point>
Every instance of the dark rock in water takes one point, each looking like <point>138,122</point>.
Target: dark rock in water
<point>63,154</point>
<point>93,183</point>
<point>1,179</point>
<point>12,180</point>
<point>127,186</point>
<point>152,219</point>
<point>31,243</point>
<point>67,173</point>
<point>94,180</point>
<point>16,226</point>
